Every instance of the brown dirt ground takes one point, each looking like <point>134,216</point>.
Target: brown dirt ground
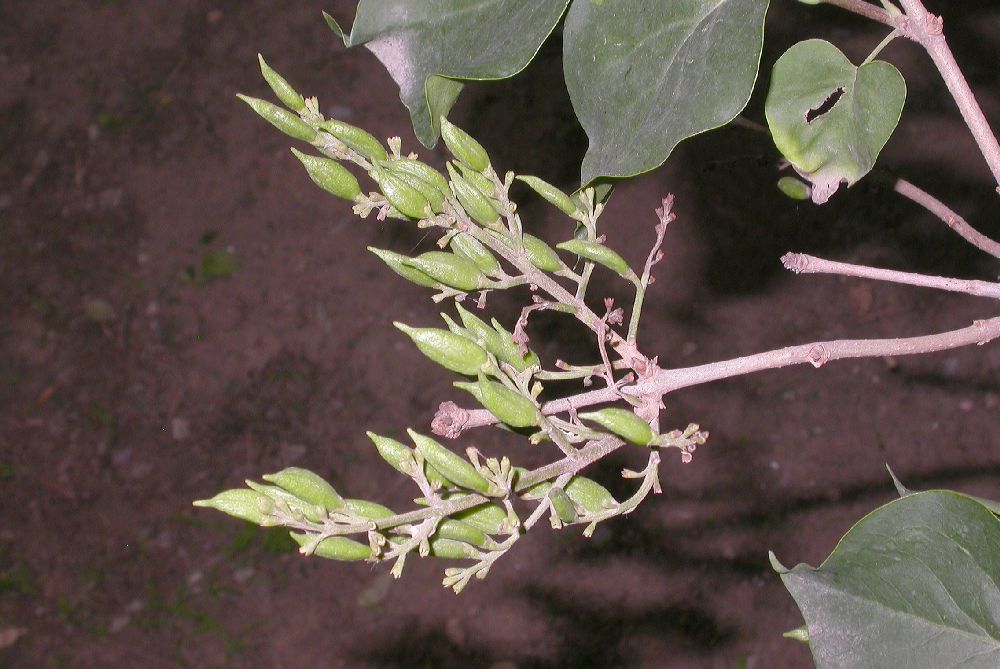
<point>126,159</point>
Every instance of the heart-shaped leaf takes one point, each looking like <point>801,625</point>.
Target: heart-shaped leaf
<point>644,75</point>
<point>913,584</point>
<point>427,44</point>
<point>829,118</point>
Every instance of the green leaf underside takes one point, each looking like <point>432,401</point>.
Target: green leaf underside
<point>644,75</point>
<point>843,143</point>
<point>426,44</point>
<point>913,584</point>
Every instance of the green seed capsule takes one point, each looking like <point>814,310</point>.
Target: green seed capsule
<point>447,268</point>
<point>366,509</point>
<point>794,188</point>
<point>308,486</point>
<point>481,182</point>
<point>420,170</point>
<point>510,407</point>
<point>282,89</point>
<point>563,505</point>
<point>313,512</point>
<point>448,463</point>
<point>360,140</point>
<point>622,422</point>
<point>282,119</point>
<point>511,352</point>
<point>463,146</point>
<point>589,494</point>
<point>248,505</point>
<point>449,350</point>
<point>396,454</point>
<point>477,204</point>
<point>598,253</point>
<point>448,549</point>
<point>459,530</point>
<point>551,194</point>
<point>482,333</point>
<point>538,252</point>
<point>330,175</point>
<point>397,263</point>
<point>404,197</point>
<point>335,548</point>
<point>468,246</point>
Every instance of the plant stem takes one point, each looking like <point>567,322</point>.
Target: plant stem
<point>817,354</point>
<point>801,263</point>
<point>951,219</point>
<point>864,9</point>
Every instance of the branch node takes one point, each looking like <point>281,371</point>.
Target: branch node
<point>818,355</point>
<point>795,262</point>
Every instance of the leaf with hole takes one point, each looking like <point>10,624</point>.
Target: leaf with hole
<point>427,44</point>
<point>829,118</point>
<point>644,75</point>
<point>913,584</point>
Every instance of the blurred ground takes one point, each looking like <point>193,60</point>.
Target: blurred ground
<point>181,309</point>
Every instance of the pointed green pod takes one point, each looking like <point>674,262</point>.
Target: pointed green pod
<point>449,350</point>
<point>282,89</point>
<point>622,422</point>
<point>421,170</point>
<point>468,246</point>
<point>483,334</point>
<point>314,512</point>
<point>447,268</point>
<point>454,467</point>
<point>463,146</point>
<point>308,486</point>
<point>794,189</point>
<point>360,140</point>
<point>550,193</point>
<point>330,175</point>
<point>282,119</point>
<point>366,509</point>
<point>590,495</point>
<point>395,453</point>
<point>538,252</point>
<point>511,352</point>
<point>397,263</point>
<point>477,204</point>
<point>248,505</point>
<point>448,549</point>
<point>431,193</point>
<point>510,407</point>
<point>598,253</point>
<point>562,504</point>
<point>335,548</point>
<point>480,181</point>
<point>491,518</point>
<point>459,530</point>
<point>404,197</point>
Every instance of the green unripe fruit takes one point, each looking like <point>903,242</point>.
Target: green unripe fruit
<point>794,188</point>
<point>477,204</point>
<point>360,140</point>
<point>483,334</point>
<point>622,422</point>
<point>420,170</point>
<point>459,530</point>
<point>598,253</point>
<point>307,486</point>
<point>491,518</point>
<point>282,497</point>
<point>463,146</point>
<point>335,548</point>
<point>366,509</point>
<point>447,268</point>
<point>449,549</point>
<point>248,505</point>
<point>452,466</point>
<point>538,252</point>
<point>449,350</point>
<point>551,194</point>
<point>400,457</point>
<point>397,263</point>
<point>510,407</point>
<point>479,181</point>
<point>511,352</point>
<point>562,504</point>
<point>589,494</point>
<point>468,246</point>
<point>330,175</point>
<point>401,195</point>
<point>282,119</point>
<point>282,89</point>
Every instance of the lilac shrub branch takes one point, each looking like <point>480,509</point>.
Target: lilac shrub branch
<point>950,218</point>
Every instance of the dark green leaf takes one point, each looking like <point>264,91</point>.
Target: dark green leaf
<point>645,74</point>
<point>427,44</point>
<point>829,118</point>
<point>913,584</point>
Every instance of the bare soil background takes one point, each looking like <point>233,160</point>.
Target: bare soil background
<point>131,382</point>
